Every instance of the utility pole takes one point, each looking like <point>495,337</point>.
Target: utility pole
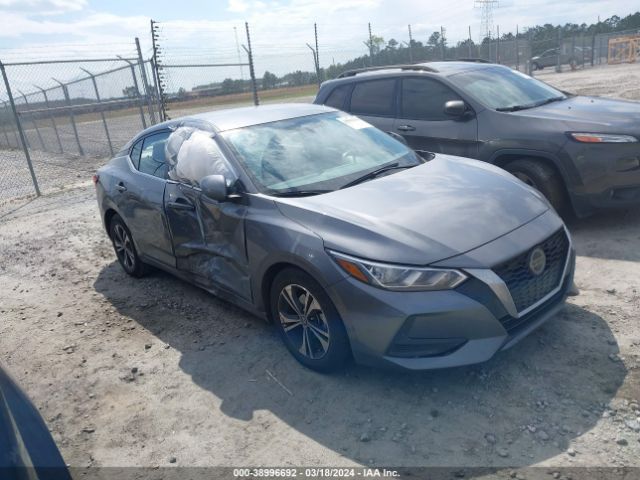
<point>442,40</point>
<point>486,20</point>
<point>470,42</point>
<point>410,45</point>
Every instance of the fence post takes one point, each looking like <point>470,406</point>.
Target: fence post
<point>35,125</point>
<point>20,131</point>
<point>410,45</point>
<point>315,31</point>
<point>145,83</point>
<point>470,42</point>
<point>252,72</point>
<point>497,43</point>
<point>315,63</point>
<point>53,120</point>
<point>104,120</point>
<point>71,116</point>
<point>593,48</point>
<point>559,61</point>
<point>156,69</point>
<point>370,45</point>
<point>135,85</point>
<point>517,51</point>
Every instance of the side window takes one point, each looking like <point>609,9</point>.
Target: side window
<point>135,153</point>
<point>152,156</point>
<point>375,97</point>
<point>424,99</point>
<point>337,97</point>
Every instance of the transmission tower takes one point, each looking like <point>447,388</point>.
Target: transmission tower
<point>486,20</point>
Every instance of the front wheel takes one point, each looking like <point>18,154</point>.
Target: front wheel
<point>308,322</point>
<point>124,247</point>
<point>541,177</point>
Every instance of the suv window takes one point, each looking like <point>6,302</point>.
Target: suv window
<point>424,99</point>
<point>152,156</point>
<point>374,97</point>
<point>337,97</point>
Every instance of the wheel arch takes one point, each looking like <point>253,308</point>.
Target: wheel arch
<point>503,158</point>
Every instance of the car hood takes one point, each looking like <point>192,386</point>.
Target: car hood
<point>597,115</point>
<point>422,215</point>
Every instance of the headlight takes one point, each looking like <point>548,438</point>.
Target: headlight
<point>602,138</point>
<point>398,277</point>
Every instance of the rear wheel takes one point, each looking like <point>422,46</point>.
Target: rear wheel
<point>536,66</point>
<point>308,322</point>
<point>541,177</point>
<point>124,247</point>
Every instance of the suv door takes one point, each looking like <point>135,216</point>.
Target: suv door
<point>208,238</point>
<point>375,102</point>
<point>425,126</point>
<point>139,196</point>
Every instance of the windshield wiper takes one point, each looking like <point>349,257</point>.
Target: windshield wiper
<point>375,173</point>
<point>515,108</point>
<point>299,193</point>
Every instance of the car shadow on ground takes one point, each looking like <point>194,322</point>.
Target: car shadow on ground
<point>608,234</point>
<point>524,406</point>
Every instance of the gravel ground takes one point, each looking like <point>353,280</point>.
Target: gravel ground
<point>143,372</point>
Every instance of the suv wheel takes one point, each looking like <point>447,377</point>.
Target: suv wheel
<point>541,177</point>
<point>308,322</point>
<point>536,66</point>
<point>124,248</point>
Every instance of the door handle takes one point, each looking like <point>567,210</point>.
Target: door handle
<point>120,187</point>
<point>406,128</point>
<point>181,204</point>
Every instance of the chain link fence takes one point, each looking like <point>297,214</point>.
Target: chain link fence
<point>71,114</point>
<point>60,119</point>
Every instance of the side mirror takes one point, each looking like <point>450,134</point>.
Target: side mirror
<point>214,187</point>
<point>398,137</point>
<point>455,108</point>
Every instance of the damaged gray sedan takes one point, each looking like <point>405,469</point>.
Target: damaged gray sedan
<point>348,241</point>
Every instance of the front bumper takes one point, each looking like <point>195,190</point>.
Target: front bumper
<point>608,176</point>
<point>428,330</point>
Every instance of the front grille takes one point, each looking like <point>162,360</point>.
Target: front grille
<point>527,288</point>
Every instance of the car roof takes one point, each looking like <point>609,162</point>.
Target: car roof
<point>247,116</point>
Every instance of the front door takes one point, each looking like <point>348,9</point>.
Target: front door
<point>425,126</point>
<point>208,238</point>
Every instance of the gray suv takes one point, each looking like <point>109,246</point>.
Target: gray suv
<point>582,153</point>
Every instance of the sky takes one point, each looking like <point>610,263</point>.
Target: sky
<point>196,31</point>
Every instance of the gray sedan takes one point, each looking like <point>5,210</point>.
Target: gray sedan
<point>348,241</point>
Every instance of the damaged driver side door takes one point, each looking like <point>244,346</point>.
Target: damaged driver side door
<point>208,239</point>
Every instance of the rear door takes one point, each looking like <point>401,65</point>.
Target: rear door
<point>375,102</point>
<point>425,126</point>
<point>139,196</point>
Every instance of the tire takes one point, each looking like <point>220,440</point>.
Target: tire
<point>308,322</point>
<point>536,66</point>
<point>124,248</point>
<point>541,177</point>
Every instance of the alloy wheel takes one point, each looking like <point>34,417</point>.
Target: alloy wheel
<point>303,321</point>
<point>124,247</point>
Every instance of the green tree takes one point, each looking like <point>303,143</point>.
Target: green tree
<point>269,80</point>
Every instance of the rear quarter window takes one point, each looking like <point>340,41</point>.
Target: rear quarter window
<point>337,98</point>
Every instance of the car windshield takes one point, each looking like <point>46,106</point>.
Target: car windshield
<point>316,154</point>
<point>501,88</point>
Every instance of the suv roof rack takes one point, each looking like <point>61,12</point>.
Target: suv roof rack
<point>352,73</point>
<point>474,60</point>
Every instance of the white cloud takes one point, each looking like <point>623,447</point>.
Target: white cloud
<point>237,6</point>
<point>43,7</point>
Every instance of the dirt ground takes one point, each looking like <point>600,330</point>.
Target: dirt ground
<point>155,372</point>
